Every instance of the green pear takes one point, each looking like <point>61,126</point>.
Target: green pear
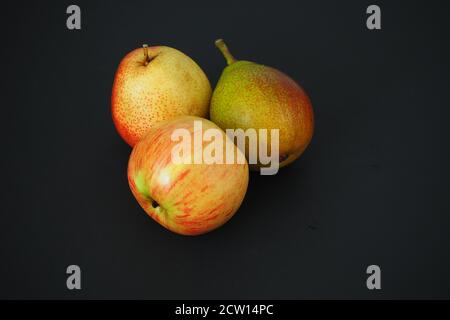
<point>250,95</point>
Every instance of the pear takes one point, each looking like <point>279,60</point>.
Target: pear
<point>250,95</point>
<point>154,84</point>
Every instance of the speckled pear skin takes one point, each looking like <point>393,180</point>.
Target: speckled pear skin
<point>250,95</point>
<point>145,92</point>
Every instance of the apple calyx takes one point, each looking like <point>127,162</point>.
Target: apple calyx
<point>141,185</point>
<point>220,44</point>
<point>154,204</point>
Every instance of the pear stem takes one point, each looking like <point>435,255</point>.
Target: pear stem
<point>146,57</point>
<point>224,49</point>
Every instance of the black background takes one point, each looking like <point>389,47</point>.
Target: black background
<point>372,188</point>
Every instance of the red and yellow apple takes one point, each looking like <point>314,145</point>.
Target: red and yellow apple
<point>153,84</point>
<point>186,198</point>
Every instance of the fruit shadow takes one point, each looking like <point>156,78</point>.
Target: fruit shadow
<point>278,203</point>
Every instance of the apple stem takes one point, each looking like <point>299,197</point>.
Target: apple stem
<point>224,49</point>
<point>147,59</point>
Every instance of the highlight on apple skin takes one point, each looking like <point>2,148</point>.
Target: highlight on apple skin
<point>188,199</point>
<point>154,84</point>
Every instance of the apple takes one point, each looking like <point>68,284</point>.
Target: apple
<point>188,197</point>
<point>153,84</point>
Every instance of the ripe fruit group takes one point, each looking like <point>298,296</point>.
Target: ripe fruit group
<point>250,95</point>
<point>153,84</point>
<point>185,198</point>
